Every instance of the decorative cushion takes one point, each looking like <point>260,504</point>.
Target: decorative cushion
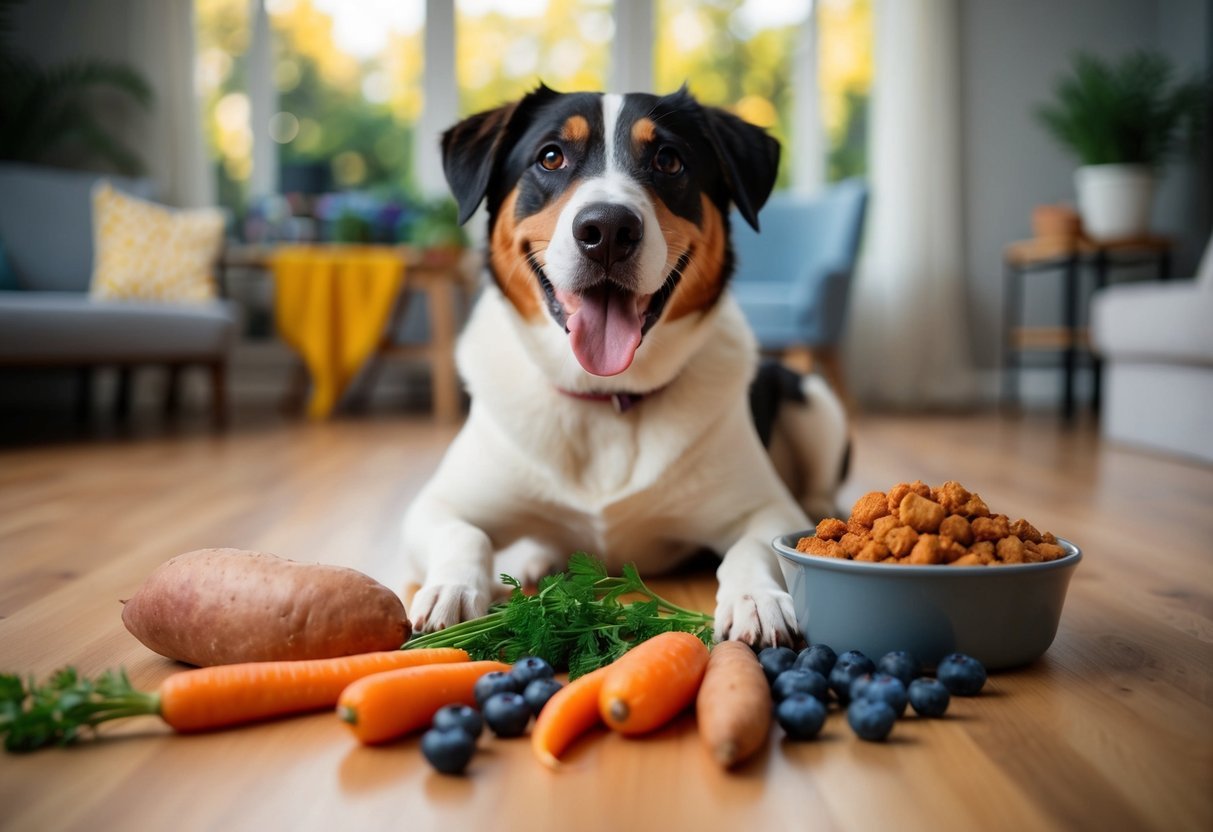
<point>147,251</point>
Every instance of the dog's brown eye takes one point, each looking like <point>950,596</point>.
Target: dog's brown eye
<point>551,157</point>
<point>667,161</point>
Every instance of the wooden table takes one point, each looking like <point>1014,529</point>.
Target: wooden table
<point>445,278</point>
<point>1111,730</point>
<point>1069,339</point>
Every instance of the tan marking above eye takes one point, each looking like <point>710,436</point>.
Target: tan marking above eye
<point>575,129</point>
<point>643,132</point>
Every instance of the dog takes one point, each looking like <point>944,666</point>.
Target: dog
<point>608,366</point>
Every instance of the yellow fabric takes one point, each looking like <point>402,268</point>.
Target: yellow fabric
<point>331,305</point>
<point>145,251</point>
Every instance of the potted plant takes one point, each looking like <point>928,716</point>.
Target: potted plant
<point>1124,121</point>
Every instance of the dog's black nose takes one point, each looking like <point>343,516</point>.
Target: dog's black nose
<point>607,233</point>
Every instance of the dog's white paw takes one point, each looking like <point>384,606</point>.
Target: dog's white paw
<point>438,606</point>
<point>760,618</point>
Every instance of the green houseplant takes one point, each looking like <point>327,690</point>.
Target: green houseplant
<point>45,111</point>
<point>1124,121</point>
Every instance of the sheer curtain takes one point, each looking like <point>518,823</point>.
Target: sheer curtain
<point>908,336</point>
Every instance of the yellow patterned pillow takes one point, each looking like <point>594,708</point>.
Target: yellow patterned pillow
<point>148,252</point>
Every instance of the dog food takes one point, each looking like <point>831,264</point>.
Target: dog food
<point>915,524</point>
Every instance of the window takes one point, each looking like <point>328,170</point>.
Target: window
<point>326,97</point>
<point>504,48</point>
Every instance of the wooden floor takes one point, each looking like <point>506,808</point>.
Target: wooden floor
<point>1113,729</point>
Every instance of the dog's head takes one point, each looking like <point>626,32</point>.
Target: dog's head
<point>608,214</point>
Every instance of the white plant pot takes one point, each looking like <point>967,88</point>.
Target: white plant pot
<point>1115,200</point>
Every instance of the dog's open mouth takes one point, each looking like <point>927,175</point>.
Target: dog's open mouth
<point>607,322</point>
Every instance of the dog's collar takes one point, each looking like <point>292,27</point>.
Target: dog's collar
<point>622,402</point>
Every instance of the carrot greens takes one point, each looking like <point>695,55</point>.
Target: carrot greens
<point>54,712</point>
<point>577,620</point>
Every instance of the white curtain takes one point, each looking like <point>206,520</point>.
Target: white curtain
<point>908,337</point>
<point>162,48</point>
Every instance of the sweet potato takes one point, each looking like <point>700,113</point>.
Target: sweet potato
<point>221,606</point>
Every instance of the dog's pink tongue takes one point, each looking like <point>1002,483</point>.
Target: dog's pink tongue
<point>605,331</point>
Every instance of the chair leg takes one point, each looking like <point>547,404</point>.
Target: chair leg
<point>172,391</point>
<point>218,395</point>
<point>84,393</point>
<point>122,396</point>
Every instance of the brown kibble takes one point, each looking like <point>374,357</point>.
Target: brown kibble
<point>817,546</point>
<point>921,514</point>
<point>1050,551</point>
<point>950,550</point>
<point>852,543</point>
<point>873,551</point>
<point>901,540</point>
<point>831,528</point>
<point>975,507</point>
<point>884,525</point>
<point>957,528</point>
<point>952,496</point>
<point>1025,531</point>
<point>926,550</point>
<point>899,491</point>
<point>913,523</point>
<point>984,550</point>
<point>1010,550</point>
<point>968,560</point>
<point>990,528</point>
<point>869,508</point>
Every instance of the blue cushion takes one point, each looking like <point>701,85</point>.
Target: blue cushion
<point>46,221</point>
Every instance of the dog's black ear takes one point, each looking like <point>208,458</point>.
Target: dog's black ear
<point>749,158</point>
<point>473,147</point>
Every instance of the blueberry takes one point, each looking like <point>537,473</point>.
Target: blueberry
<point>871,720</point>
<point>801,716</point>
<point>776,660</point>
<point>800,681</point>
<point>538,693</point>
<point>448,749</point>
<point>929,697</point>
<point>459,716</point>
<point>507,714</point>
<point>854,657</point>
<point>819,657</point>
<point>528,669</point>
<point>491,683</point>
<point>901,664</point>
<point>881,687</point>
<point>841,678</point>
<point>962,675</point>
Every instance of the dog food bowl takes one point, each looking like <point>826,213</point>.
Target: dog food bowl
<point>1004,616</point>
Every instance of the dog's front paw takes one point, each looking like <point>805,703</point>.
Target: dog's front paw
<point>438,606</point>
<point>760,618</point>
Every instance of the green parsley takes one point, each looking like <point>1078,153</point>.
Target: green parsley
<point>575,621</point>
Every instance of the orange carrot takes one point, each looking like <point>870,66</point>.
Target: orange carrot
<point>58,710</point>
<point>733,708</point>
<point>570,712</point>
<point>652,682</point>
<point>213,697</point>
<point>387,705</point>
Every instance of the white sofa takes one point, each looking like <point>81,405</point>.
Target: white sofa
<point>1156,342</point>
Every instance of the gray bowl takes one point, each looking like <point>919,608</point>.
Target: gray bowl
<point>1003,616</point>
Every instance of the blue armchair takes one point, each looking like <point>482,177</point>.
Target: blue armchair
<point>793,279</point>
